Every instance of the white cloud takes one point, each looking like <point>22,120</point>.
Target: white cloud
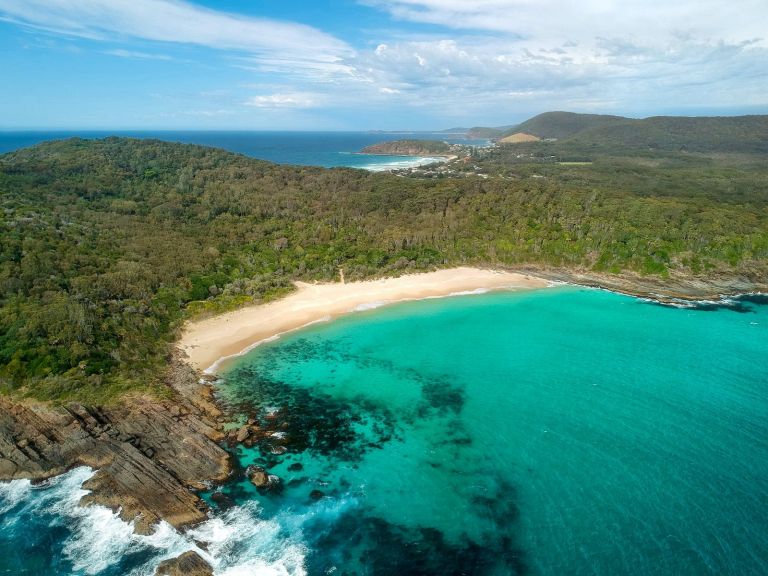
<point>474,77</point>
<point>486,60</point>
<point>288,65</point>
<point>287,100</point>
<point>137,55</point>
<point>622,56</point>
<point>180,22</point>
<point>558,20</point>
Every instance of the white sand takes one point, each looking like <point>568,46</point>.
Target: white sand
<point>208,342</point>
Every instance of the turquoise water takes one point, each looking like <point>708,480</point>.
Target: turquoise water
<point>327,149</point>
<point>561,431</point>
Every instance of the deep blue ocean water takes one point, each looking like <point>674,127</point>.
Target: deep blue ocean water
<point>564,431</point>
<point>327,149</point>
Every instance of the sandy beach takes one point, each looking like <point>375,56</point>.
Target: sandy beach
<point>208,342</point>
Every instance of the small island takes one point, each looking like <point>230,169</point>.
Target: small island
<point>411,148</point>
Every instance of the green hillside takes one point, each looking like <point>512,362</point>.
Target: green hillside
<point>563,125</point>
<point>725,134</point>
<point>483,133</point>
<point>107,246</point>
<point>603,133</point>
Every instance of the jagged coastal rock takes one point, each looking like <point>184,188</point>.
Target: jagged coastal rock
<point>242,434</point>
<point>258,477</point>
<point>149,453</point>
<point>188,564</point>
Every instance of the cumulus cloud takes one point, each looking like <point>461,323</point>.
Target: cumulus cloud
<point>621,56</point>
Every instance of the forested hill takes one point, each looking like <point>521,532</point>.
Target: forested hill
<point>700,134</point>
<point>747,134</point>
<point>106,246</point>
<point>564,124</point>
<point>601,132</point>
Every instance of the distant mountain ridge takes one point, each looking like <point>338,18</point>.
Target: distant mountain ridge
<point>562,125</point>
<point>704,134</point>
<point>481,133</point>
<point>695,134</point>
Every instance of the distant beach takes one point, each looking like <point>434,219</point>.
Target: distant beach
<point>383,162</point>
<point>326,149</point>
<point>208,342</point>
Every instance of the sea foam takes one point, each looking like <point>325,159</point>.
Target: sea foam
<point>13,493</point>
<point>241,542</point>
<point>98,540</point>
<point>369,306</point>
<point>470,292</point>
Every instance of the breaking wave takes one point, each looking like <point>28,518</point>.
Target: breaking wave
<point>98,542</point>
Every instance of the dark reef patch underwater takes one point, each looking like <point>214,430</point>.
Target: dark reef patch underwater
<point>564,431</point>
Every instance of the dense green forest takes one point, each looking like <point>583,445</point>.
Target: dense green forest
<point>563,125</point>
<point>107,246</point>
<point>600,133</point>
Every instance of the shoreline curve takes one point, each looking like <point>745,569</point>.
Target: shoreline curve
<point>209,342</point>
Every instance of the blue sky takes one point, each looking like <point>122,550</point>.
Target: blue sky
<point>373,64</point>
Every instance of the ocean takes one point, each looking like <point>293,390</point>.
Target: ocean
<point>326,149</point>
<point>559,431</point>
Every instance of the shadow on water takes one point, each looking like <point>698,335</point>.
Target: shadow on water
<point>334,433</point>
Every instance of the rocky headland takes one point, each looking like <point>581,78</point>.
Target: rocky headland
<point>411,148</point>
<point>671,289</point>
<point>149,453</point>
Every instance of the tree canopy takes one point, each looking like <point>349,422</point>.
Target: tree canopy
<point>107,246</point>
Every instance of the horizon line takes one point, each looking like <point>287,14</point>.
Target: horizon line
<point>381,130</point>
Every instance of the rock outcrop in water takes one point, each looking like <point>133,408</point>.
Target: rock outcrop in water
<point>188,564</point>
<point>263,480</point>
<point>258,476</point>
<point>149,453</point>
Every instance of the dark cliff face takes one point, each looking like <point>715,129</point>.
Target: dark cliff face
<point>148,453</point>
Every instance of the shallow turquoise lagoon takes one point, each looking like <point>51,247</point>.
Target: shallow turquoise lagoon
<point>561,431</point>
